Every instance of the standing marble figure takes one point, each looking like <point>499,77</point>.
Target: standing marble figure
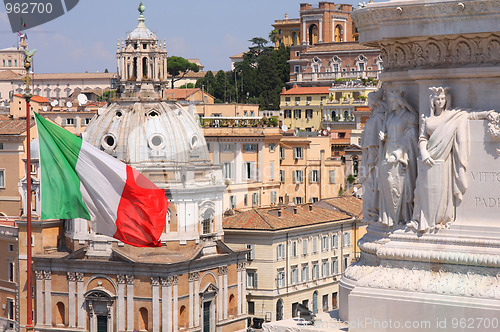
<point>444,151</point>
<point>397,167</point>
<point>370,144</point>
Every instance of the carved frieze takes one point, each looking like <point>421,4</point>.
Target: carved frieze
<point>71,276</point>
<point>441,53</point>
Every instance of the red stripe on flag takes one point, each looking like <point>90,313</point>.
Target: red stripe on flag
<point>142,212</point>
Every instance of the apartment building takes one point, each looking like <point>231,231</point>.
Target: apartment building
<point>297,255</point>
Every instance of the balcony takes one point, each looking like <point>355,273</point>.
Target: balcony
<point>330,76</point>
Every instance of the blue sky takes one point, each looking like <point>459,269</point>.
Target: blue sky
<point>84,39</point>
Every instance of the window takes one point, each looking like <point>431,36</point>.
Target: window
<point>347,239</point>
<point>304,247</point>
<point>288,114</point>
<point>309,98</point>
<point>280,251</point>
<point>271,171</point>
<point>249,147</point>
<point>335,67</point>
<point>298,153</point>
<point>251,253</point>
<point>296,69</point>
<point>70,121</point>
<point>280,279</point>
<point>227,170</point>
<point>335,266</point>
<point>309,114</point>
<point>294,249</point>
<point>305,272</point>
<point>313,199</point>
<point>294,275</point>
<point>315,271</point>
<point>272,147</point>
<point>255,199</point>
<point>232,202</point>
<point>251,307</point>
<point>86,121</point>
<point>287,98</point>
<point>11,247</point>
<point>1,146</point>
<point>282,153</point>
<point>335,241</point>
<point>298,200</point>
<point>245,200</point>
<point>331,176</point>
<point>298,176</point>
<point>251,279</point>
<point>282,176</point>
<point>249,170</point>
<point>206,225</point>
<point>315,245</point>
<point>297,114</point>
<point>316,68</point>
<point>361,66</point>
<point>11,272</point>
<point>10,63</point>
<point>2,178</point>
<point>226,147</point>
<point>334,300</point>
<point>10,311</point>
<point>324,243</point>
<point>274,197</point>
<point>314,176</point>
<point>346,262</point>
<point>325,272</point>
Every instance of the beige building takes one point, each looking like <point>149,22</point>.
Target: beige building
<point>303,107</point>
<point>250,163</point>
<point>194,95</point>
<point>12,151</point>
<point>307,174</point>
<point>208,110</point>
<point>9,275</point>
<point>297,255</point>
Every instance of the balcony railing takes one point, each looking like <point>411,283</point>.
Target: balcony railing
<point>330,76</point>
<point>256,121</point>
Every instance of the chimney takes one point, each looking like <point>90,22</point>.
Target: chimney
<point>310,208</point>
<point>295,209</point>
<point>283,90</point>
<point>295,86</point>
<point>279,213</point>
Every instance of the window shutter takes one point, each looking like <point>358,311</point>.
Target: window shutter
<point>255,280</point>
<point>294,175</point>
<point>332,176</point>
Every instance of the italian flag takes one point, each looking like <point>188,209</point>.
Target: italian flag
<point>80,181</point>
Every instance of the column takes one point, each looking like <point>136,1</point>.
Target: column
<point>120,303</point>
<point>260,166</point>
<point>39,297</point>
<point>80,302</point>
<point>196,299</point>
<point>175,281</point>
<point>48,298</point>
<point>71,299</point>
<point>226,294</point>
<point>320,32</point>
<point>238,283</point>
<point>191,300</point>
<point>139,68</point>
<point>220,296</point>
<point>130,302</point>
<point>244,288</point>
<point>304,35</point>
<point>238,163</point>
<point>166,304</point>
<point>216,152</point>
<point>155,284</point>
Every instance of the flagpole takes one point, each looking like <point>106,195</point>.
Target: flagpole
<point>27,96</point>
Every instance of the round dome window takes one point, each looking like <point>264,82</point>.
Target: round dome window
<point>153,113</point>
<point>156,142</point>
<point>118,114</point>
<point>108,141</point>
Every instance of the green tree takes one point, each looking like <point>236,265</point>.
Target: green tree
<point>187,86</point>
<point>178,67</point>
<point>274,36</point>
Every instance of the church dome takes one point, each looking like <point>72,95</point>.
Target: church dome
<point>141,32</point>
<point>146,133</point>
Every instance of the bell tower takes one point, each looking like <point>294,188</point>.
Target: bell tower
<point>142,63</point>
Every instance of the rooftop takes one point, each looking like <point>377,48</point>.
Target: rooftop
<point>13,127</point>
<point>35,98</point>
<point>316,90</point>
<point>268,218</point>
<point>350,205</point>
<point>339,47</point>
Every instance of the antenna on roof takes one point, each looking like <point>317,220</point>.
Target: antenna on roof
<point>284,128</point>
<point>54,103</point>
<point>82,99</point>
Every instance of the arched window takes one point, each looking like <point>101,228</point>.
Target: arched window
<point>60,314</point>
<point>143,319</point>
<point>339,33</point>
<point>315,302</point>
<point>313,34</point>
<point>346,116</point>
<point>334,115</point>
<point>355,165</point>
<point>182,317</point>
<point>232,305</point>
<point>295,39</point>
<point>144,67</point>
<point>134,68</point>
<point>207,221</point>
<point>279,309</point>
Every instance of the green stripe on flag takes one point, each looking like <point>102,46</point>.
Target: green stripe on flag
<point>61,195</point>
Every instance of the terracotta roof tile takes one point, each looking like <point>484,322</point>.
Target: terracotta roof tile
<point>13,127</point>
<point>345,46</point>
<point>9,75</point>
<point>267,218</point>
<point>304,90</point>
<point>35,98</point>
<point>351,205</point>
